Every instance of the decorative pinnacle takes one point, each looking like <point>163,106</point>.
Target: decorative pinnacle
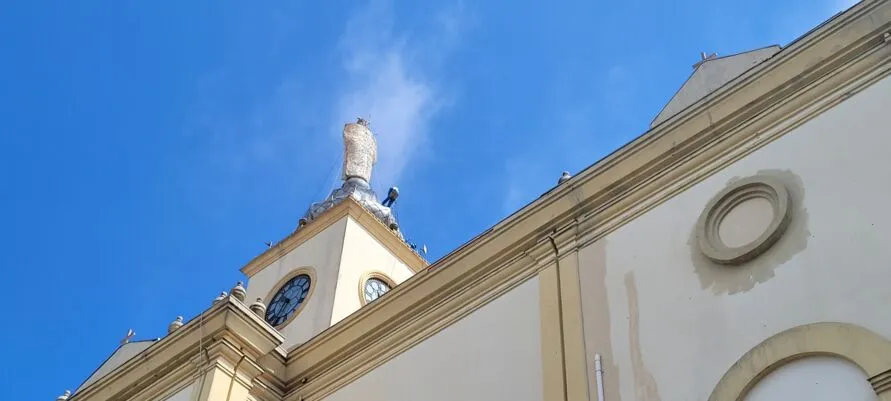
<point>64,396</point>
<point>704,57</point>
<point>221,297</point>
<point>259,308</point>
<point>238,291</point>
<point>175,324</point>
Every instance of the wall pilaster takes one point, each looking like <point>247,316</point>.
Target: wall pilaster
<point>229,374</point>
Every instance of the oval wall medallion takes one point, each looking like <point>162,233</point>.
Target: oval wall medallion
<point>744,220</point>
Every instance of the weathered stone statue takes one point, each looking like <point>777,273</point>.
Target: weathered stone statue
<point>359,156</point>
<point>359,152</point>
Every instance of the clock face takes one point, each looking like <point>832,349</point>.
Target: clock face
<point>288,298</point>
<point>374,288</point>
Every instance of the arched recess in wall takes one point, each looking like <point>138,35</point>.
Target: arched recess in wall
<point>868,350</point>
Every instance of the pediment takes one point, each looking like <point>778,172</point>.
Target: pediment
<point>122,354</point>
<point>709,75</point>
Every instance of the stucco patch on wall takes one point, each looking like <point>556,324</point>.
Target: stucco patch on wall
<point>645,388</point>
<point>722,279</point>
<point>596,318</point>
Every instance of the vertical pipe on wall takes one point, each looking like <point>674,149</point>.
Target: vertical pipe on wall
<point>598,371</point>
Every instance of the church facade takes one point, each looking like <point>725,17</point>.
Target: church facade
<point>738,250</point>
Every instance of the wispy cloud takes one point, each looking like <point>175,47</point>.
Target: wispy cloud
<point>391,80</point>
<point>285,116</point>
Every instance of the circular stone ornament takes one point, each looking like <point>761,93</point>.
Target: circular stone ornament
<point>739,192</point>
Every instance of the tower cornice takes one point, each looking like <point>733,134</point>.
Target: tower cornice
<point>349,207</point>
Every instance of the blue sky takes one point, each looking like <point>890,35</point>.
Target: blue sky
<point>148,149</point>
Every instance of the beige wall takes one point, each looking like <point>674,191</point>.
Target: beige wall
<point>322,253</point>
<point>362,253</point>
<point>669,324</point>
<point>492,354</point>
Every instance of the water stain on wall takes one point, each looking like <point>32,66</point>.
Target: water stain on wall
<point>723,279</point>
<point>645,388</point>
<point>596,319</point>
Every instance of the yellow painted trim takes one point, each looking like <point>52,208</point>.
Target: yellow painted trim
<point>868,350</point>
<point>309,271</point>
<point>369,275</point>
<point>552,358</point>
<point>561,309</point>
<point>223,383</point>
<point>573,329</point>
<point>348,207</point>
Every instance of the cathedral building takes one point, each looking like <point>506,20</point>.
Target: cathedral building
<point>740,249</point>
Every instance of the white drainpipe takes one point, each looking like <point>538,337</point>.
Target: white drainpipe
<point>598,370</point>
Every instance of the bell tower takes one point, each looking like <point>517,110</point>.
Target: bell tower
<point>347,251</point>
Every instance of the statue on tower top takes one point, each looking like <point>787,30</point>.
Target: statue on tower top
<point>359,156</point>
<point>359,151</point>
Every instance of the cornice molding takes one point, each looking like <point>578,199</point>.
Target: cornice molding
<point>178,378</point>
<point>847,53</point>
<point>228,321</point>
<point>271,385</point>
<point>556,244</point>
<point>230,358</point>
<point>348,207</point>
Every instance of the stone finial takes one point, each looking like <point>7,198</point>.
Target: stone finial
<point>64,396</point>
<point>703,56</point>
<point>359,151</point>
<point>238,291</point>
<point>128,337</point>
<point>222,296</point>
<point>259,308</point>
<point>564,177</point>
<point>175,324</point>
